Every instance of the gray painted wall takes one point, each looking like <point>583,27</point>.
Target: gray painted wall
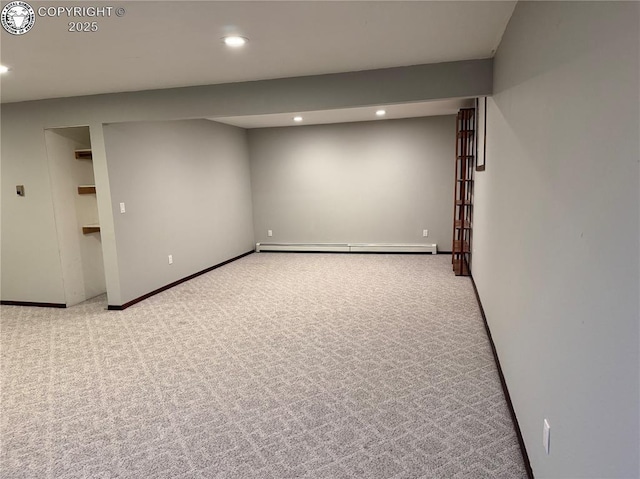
<point>31,268</point>
<point>556,232</point>
<point>186,189</point>
<point>31,265</point>
<point>378,181</point>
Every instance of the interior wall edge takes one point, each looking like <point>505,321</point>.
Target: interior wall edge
<point>121,307</point>
<point>503,382</point>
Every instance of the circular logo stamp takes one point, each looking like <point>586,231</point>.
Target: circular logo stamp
<point>17,17</point>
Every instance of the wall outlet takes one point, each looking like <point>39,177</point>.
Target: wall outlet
<point>170,259</point>
<point>425,233</point>
<point>546,435</point>
<point>122,208</point>
<point>269,233</point>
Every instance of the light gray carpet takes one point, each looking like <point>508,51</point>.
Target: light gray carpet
<point>274,366</point>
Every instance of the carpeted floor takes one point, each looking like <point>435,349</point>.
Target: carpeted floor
<point>274,366</point>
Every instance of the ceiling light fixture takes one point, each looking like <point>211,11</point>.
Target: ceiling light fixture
<point>297,119</point>
<point>3,69</point>
<point>381,113</point>
<point>235,41</point>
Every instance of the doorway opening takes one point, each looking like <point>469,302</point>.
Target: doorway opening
<point>76,213</point>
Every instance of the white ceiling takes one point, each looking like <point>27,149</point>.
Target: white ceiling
<point>173,44</point>
<point>346,115</point>
<point>168,44</point>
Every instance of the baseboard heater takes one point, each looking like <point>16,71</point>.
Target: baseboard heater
<point>349,247</point>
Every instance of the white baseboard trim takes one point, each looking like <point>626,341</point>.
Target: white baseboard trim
<point>350,247</point>
<point>329,247</point>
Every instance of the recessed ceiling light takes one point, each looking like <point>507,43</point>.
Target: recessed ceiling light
<point>3,69</point>
<point>297,119</point>
<point>381,113</point>
<point>235,41</point>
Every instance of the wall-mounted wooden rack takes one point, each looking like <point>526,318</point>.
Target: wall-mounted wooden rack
<point>88,229</point>
<point>86,189</point>
<point>84,154</point>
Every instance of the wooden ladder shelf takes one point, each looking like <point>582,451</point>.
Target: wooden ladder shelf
<point>463,191</point>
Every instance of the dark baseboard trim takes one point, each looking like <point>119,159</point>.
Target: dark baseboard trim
<point>121,307</point>
<point>30,303</point>
<point>507,396</point>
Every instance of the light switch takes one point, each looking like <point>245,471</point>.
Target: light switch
<point>122,209</point>
<point>20,190</point>
<point>269,233</point>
